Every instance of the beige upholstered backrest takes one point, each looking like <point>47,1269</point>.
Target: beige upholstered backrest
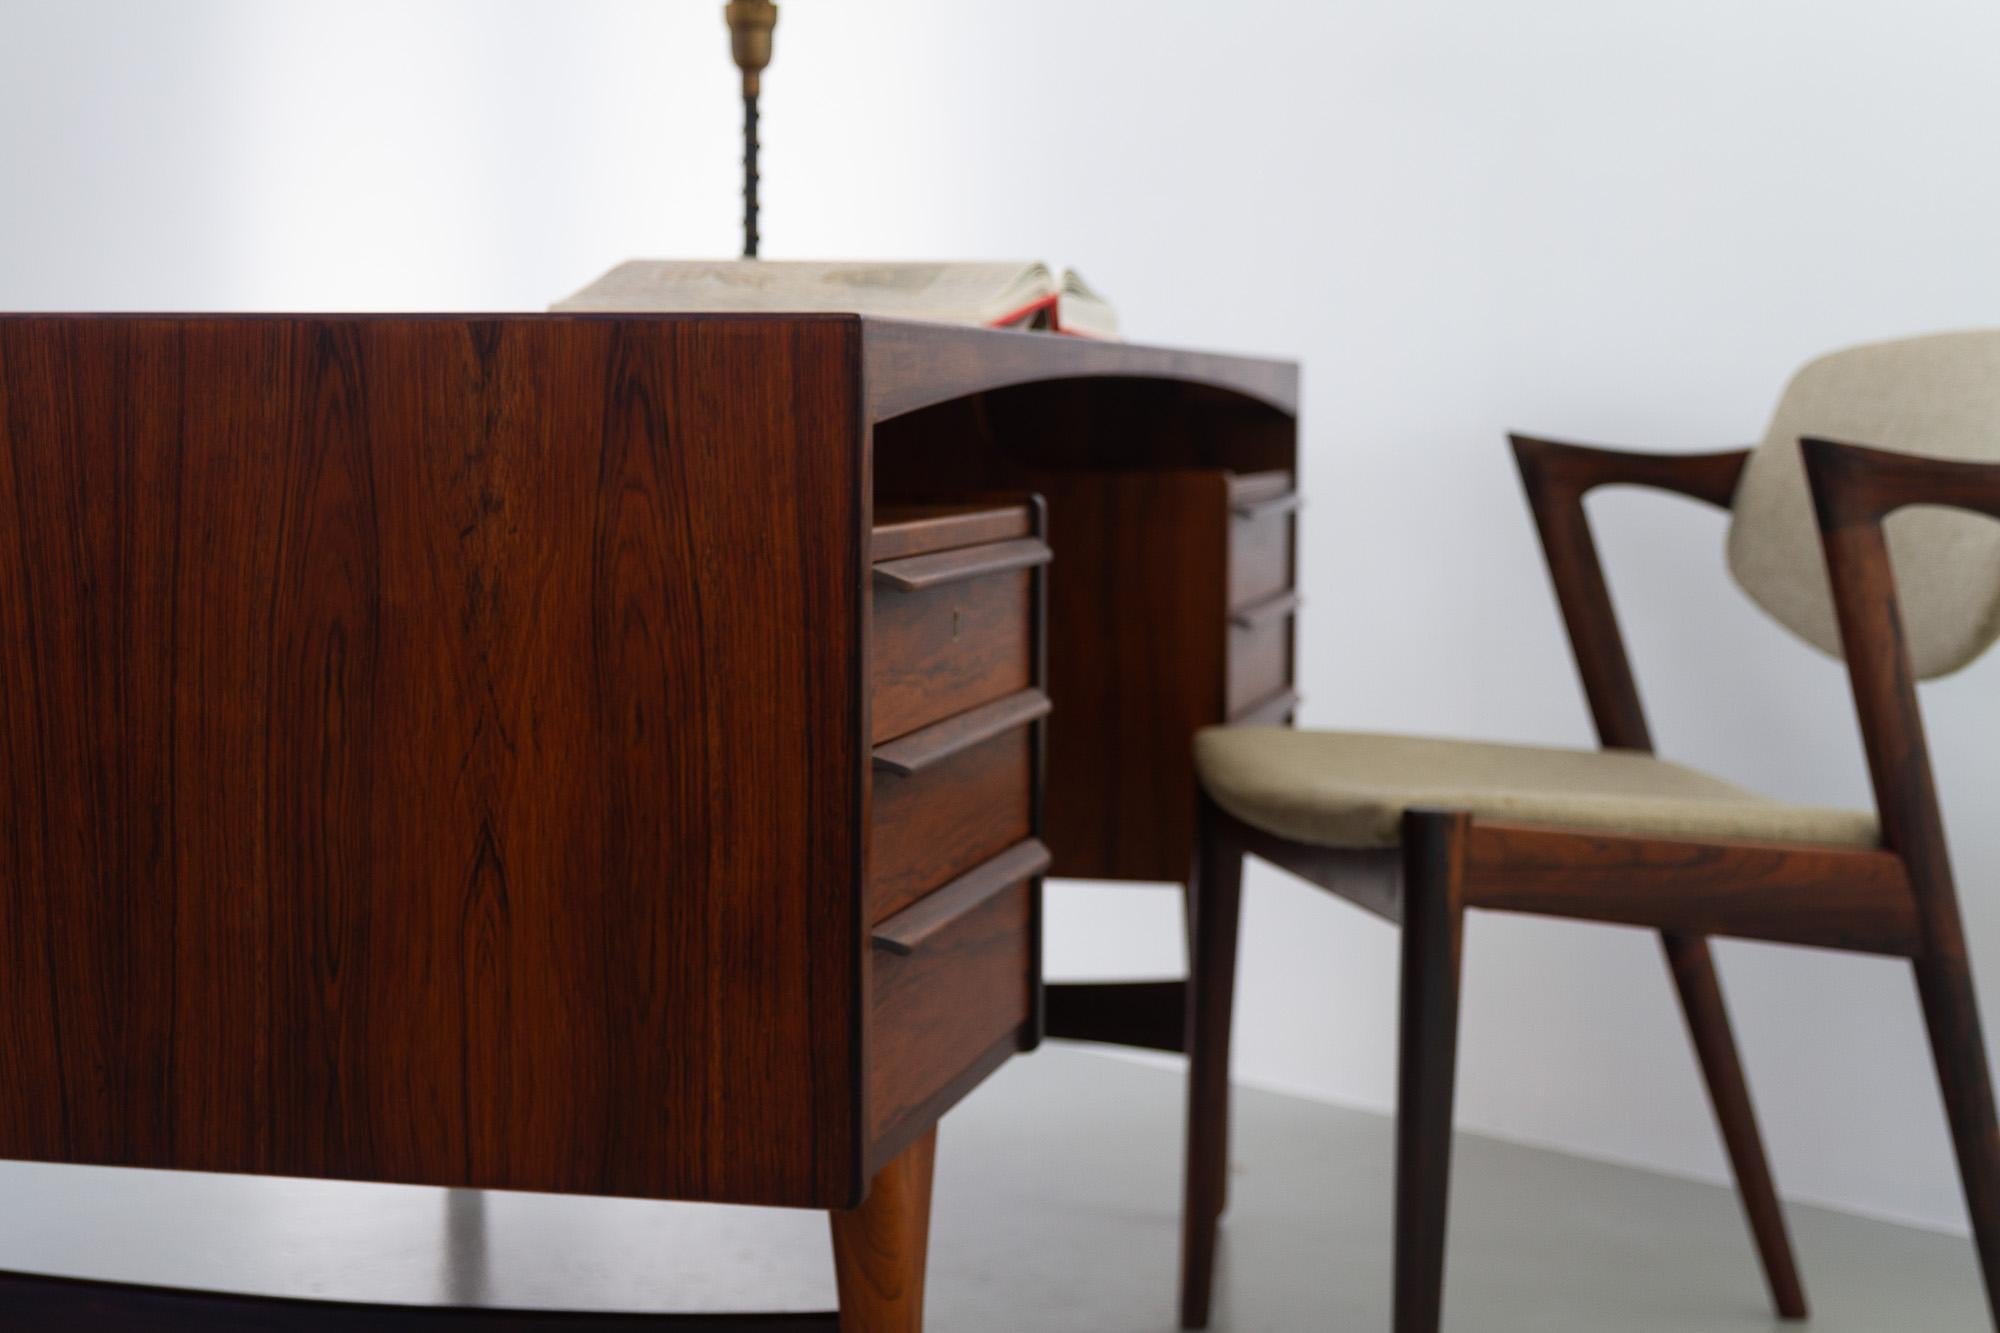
<point>1938,396</point>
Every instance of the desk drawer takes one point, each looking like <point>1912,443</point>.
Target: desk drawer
<point>950,797</point>
<point>953,981</point>
<point>1260,654</point>
<point>1262,507</point>
<point>953,630</point>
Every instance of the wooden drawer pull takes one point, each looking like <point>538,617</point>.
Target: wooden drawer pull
<point>1282,504</point>
<point>918,572</point>
<point>912,754</point>
<point>908,930</point>
<point>1268,711</point>
<point>1250,617</point>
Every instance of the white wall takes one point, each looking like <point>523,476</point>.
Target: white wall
<point>1621,222</point>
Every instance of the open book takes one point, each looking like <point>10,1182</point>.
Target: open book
<point>992,295</point>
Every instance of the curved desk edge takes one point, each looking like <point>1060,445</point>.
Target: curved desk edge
<point>910,365</point>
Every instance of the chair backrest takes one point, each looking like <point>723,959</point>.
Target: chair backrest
<point>1936,396</point>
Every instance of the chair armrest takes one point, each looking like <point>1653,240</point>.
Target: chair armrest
<point>1855,484</point>
<point>1854,489</point>
<point>1557,476</point>
<point>1577,469</point>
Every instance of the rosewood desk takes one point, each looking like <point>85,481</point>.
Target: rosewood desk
<point>593,754</point>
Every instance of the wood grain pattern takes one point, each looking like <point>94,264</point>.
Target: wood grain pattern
<point>920,572</point>
<point>439,748</point>
<point>1138,473</point>
<point>950,648</point>
<point>954,977</point>
<point>1834,898</point>
<point>1121,783</point>
<point>905,530</point>
<point>880,1248</point>
<point>924,923</point>
<point>946,819</point>
<point>934,1012</point>
<point>917,752</point>
<point>432,748</point>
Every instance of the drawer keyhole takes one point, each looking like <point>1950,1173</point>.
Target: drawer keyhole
<point>957,623</point>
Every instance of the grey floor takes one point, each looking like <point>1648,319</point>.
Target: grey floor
<point>1057,1192</point>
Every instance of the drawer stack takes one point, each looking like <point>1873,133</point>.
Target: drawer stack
<point>1263,600</point>
<point>954,865</point>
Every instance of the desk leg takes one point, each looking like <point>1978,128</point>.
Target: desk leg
<point>879,1248</point>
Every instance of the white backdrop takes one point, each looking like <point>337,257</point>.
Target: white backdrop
<point>1619,222</point>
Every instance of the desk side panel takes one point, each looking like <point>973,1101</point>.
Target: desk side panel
<point>429,751</point>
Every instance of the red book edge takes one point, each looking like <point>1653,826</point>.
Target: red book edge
<point>1051,303</point>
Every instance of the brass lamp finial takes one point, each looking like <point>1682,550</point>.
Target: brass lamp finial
<point>751,23</point>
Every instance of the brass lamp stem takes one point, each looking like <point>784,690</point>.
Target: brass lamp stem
<point>751,23</point>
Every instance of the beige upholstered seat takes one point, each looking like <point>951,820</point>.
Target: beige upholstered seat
<point>1350,789</point>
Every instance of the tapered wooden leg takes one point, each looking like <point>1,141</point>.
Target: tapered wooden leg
<point>1433,920</point>
<point>879,1249</point>
<point>1952,1014</point>
<point>1708,1025</point>
<point>1215,898</point>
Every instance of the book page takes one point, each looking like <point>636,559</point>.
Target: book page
<point>958,293</point>
<point>1080,309</point>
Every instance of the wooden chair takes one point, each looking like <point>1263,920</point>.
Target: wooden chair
<point>1421,831</point>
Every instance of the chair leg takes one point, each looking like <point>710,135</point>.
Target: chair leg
<point>1433,921</point>
<point>1708,1026</point>
<point>1952,1014</point>
<point>1215,900</point>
